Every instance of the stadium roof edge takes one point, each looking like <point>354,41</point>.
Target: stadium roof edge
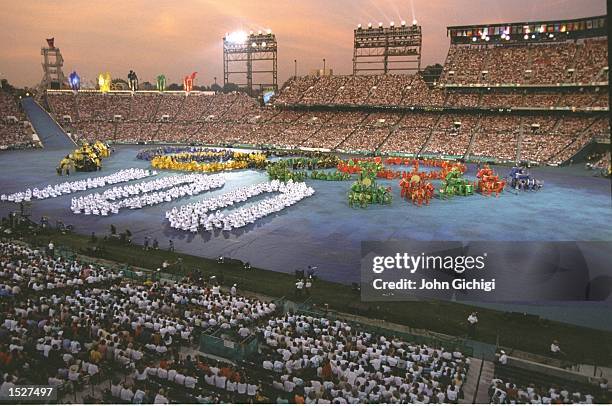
<point>572,20</point>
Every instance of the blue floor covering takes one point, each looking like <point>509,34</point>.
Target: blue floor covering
<point>324,231</point>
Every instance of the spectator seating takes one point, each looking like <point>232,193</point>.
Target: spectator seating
<point>15,132</point>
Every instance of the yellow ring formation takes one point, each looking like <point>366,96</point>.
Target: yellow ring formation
<point>240,160</point>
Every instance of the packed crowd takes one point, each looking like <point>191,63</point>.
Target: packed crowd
<point>83,327</point>
<point>452,135</point>
<point>14,131</point>
<point>366,90</point>
<point>497,136</point>
<point>9,106</point>
<point>597,127</point>
<point>230,119</point>
<point>371,133</point>
<point>507,392</point>
<point>68,323</point>
<point>317,360</point>
<point>239,121</point>
<point>561,62</point>
<point>411,133</point>
<point>294,89</point>
<point>146,117</point>
<point>554,139</point>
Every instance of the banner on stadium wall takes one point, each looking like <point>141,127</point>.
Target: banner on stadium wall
<point>486,271</point>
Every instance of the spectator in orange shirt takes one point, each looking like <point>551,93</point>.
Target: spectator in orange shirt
<point>226,372</point>
<point>326,373</point>
<point>94,355</point>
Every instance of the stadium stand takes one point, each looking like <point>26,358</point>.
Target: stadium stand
<point>519,381</point>
<point>111,332</point>
<point>534,63</point>
<point>15,131</point>
<point>237,119</point>
<point>411,133</point>
<point>330,361</point>
<point>73,324</point>
<point>68,323</point>
<point>541,101</point>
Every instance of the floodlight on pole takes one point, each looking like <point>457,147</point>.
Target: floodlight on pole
<point>237,37</point>
<point>242,49</point>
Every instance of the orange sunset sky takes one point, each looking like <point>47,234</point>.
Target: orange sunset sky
<point>181,36</point>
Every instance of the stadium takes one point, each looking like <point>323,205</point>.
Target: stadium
<point>397,233</point>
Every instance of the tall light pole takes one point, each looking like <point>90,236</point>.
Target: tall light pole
<point>323,66</point>
<point>295,68</point>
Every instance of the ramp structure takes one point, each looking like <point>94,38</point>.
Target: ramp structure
<point>48,130</point>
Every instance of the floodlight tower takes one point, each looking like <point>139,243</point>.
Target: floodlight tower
<point>240,48</point>
<point>386,49</point>
<point>53,77</point>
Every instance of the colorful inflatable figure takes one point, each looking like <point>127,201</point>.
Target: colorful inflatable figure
<point>519,179</point>
<point>416,189</point>
<point>101,149</point>
<point>454,184</point>
<point>75,81</point>
<point>489,182</point>
<point>365,191</point>
<point>368,167</point>
<point>133,81</point>
<point>281,170</point>
<point>104,82</point>
<point>65,166</point>
<point>188,82</point>
<point>87,158</point>
<point>161,82</point>
<point>312,163</point>
<point>335,176</point>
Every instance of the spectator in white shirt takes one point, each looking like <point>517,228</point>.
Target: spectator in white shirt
<point>503,358</point>
<point>126,393</point>
<point>220,381</point>
<point>190,382</point>
<point>472,323</point>
<point>252,389</point>
<point>555,349</point>
<point>160,398</point>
